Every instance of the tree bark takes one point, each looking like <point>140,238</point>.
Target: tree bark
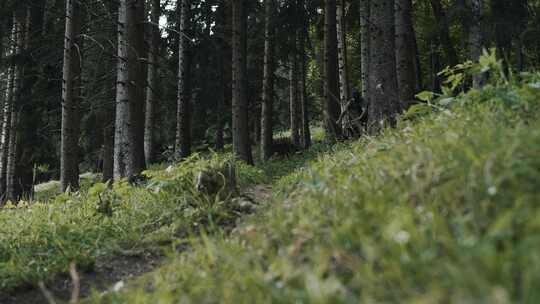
<point>332,102</point>
<point>405,52</point>
<point>121,138</point>
<point>444,32</point>
<point>240,121</point>
<point>18,44</point>
<point>71,91</point>
<point>384,100</point>
<point>224,30</point>
<point>344,91</point>
<point>268,83</point>
<point>152,88</point>
<point>6,120</point>
<point>294,115</point>
<point>108,153</point>
<point>136,20</point>
<point>6,130</point>
<point>302,89</point>
<point>476,39</point>
<point>183,112</point>
<point>365,8</point>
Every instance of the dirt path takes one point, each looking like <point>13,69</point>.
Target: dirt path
<point>110,271</point>
<point>107,272</point>
<point>260,193</point>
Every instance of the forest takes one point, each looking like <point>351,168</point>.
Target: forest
<point>270,151</point>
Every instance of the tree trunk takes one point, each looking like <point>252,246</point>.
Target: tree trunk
<point>268,83</point>
<point>136,19</point>
<point>220,101</point>
<point>240,122</point>
<point>475,38</point>
<point>383,89</point>
<point>152,88</point>
<point>183,112</point>
<point>18,44</point>
<point>224,30</point>
<point>344,90</point>
<point>444,32</point>
<point>302,89</point>
<point>418,67</point>
<point>108,153</point>
<point>6,128</point>
<point>364,45</point>
<point>121,139</point>
<point>6,116</point>
<point>332,102</point>
<point>405,53</point>
<point>294,115</point>
<point>71,91</point>
<point>12,154</point>
<point>435,64</point>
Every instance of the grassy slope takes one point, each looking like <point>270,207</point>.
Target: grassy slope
<point>442,209</point>
<point>38,242</point>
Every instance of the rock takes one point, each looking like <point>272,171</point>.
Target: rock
<point>221,181</point>
<point>243,204</point>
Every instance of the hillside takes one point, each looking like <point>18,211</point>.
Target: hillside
<point>443,208</point>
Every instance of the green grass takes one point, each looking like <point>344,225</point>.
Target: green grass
<point>39,239</point>
<point>443,209</point>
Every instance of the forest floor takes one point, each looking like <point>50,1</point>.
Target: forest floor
<point>113,272</point>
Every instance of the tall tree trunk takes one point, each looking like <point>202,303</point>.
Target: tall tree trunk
<point>12,155</point>
<point>522,17</point>
<point>225,32</point>
<point>6,122</point>
<point>417,67</point>
<point>240,122</point>
<point>152,88</point>
<point>129,134</point>
<point>332,102</point>
<point>294,115</point>
<point>383,89</point>
<point>121,138</point>
<point>71,88</point>
<point>435,64</point>
<point>183,113</point>
<point>107,153</point>
<point>444,32</point>
<point>365,8</point>
<point>136,20</point>
<point>268,82</point>
<point>302,89</point>
<point>18,44</point>
<point>405,52</point>
<point>6,115</point>
<point>476,39</point>
<point>220,101</point>
<point>344,91</point>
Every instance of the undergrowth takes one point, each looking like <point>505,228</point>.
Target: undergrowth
<point>40,238</point>
<point>442,209</point>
